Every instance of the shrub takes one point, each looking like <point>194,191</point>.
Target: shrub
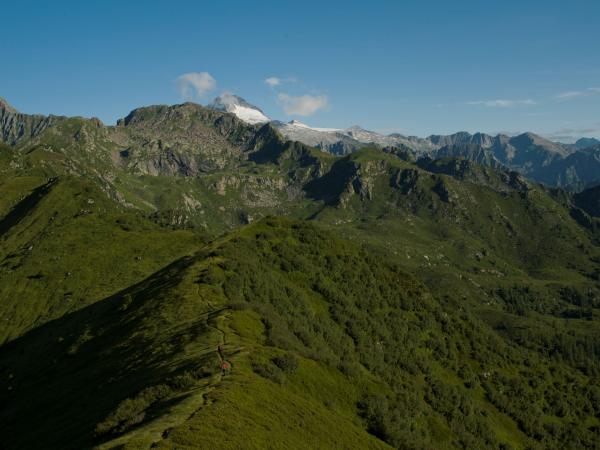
<point>374,410</point>
<point>132,411</point>
<point>268,371</point>
<point>239,306</point>
<point>126,302</point>
<point>287,363</point>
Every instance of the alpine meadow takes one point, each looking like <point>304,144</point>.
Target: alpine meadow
<point>198,275</point>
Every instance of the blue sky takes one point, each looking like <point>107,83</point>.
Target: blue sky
<point>416,67</point>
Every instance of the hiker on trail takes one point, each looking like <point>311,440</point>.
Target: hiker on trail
<point>225,367</point>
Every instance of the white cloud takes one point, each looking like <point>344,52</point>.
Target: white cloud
<point>228,98</point>
<point>570,95</point>
<point>273,81</point>
<point>198,83</point>
<point>502,103</point>
<point>304,105</point>
<point>276,81</point>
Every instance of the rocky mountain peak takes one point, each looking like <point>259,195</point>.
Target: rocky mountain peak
<point>15,126</point>
<point>5,106</point>
<point>585,142</point>
<point>533,140</point>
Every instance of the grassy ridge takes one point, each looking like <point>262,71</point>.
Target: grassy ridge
<point>312,323</point>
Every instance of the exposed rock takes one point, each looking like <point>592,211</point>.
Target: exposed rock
<point>15,126</point>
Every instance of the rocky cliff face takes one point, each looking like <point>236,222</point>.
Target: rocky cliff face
<point>472,152</point>
<point>182,139</point>
<point>15,126</point>
<point>462,138</point>
<point>577,171</point>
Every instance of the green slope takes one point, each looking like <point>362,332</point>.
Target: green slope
<point>157,345</point>
<point>65,245</point>
<point>322,334</point>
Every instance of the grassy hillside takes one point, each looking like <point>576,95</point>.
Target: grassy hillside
<point>321,335</point>
<point>157,342</point>
<point>66,245</point>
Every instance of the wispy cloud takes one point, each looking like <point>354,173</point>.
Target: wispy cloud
<point>198,83</point>
<point>570,95</point>
<point>228,98</point>
<point>502,103</point>
<point>304,105</point>
<point>276,81</point>
<point>273,81</point>
<point>571,134</point>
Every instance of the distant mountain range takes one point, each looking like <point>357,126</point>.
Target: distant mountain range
<point>572,166</point>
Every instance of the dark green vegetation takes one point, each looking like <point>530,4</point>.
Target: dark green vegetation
<point>407,304</point>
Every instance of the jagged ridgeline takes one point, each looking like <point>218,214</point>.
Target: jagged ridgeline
<point>149,297</point>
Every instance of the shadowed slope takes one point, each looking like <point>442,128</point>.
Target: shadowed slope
<point>66,245</point>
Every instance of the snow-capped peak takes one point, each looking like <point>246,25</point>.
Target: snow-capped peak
<point>297,123</point>
<point>241,108</point>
